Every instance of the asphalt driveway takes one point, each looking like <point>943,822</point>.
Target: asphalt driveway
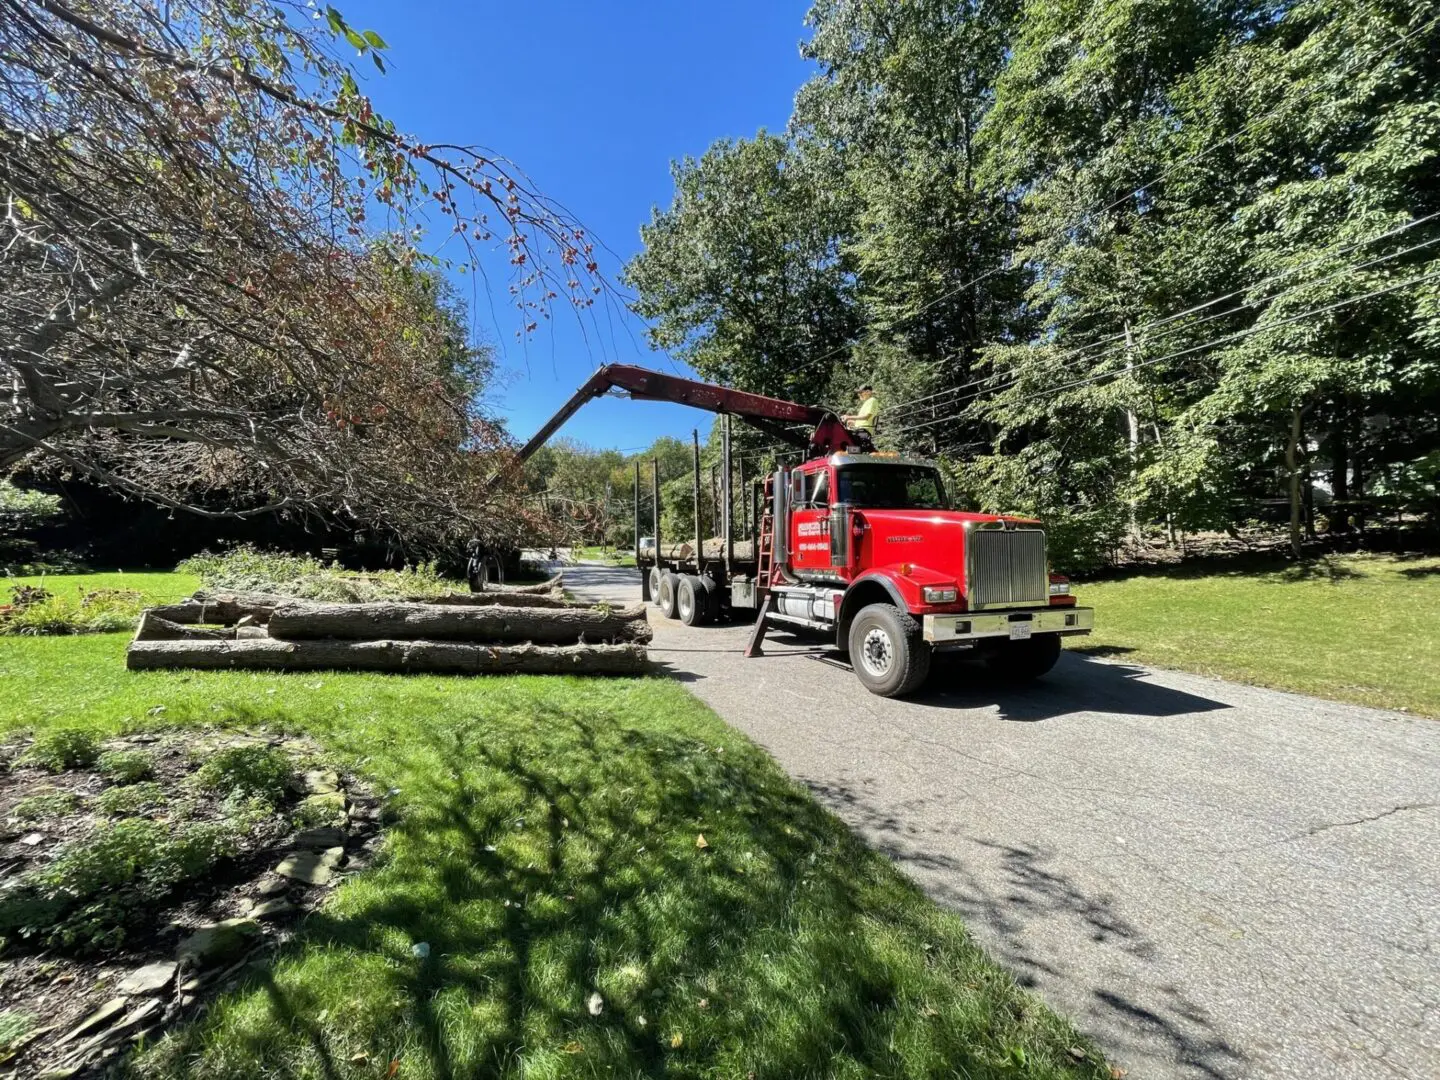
<point>1214,880</point>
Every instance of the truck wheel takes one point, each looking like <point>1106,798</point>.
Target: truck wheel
<point>665,595</point>
<point>887,652</point>
<point>1022,661</point>
<point>655,574</point>
<point>691,601</point>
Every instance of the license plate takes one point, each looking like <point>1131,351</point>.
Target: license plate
<point>1020,631</point>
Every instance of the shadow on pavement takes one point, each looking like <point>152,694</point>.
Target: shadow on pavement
<point>1137,1015</point>
<point>1075,685</point>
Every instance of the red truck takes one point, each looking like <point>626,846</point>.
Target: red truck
<point>856,545</point>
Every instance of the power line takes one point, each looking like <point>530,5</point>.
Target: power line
<point>1237,336</point>
<point>1334,249</point>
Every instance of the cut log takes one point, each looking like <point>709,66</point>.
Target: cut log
<point>496,599</point>
<point>436,622</point>
<point>155,628</point>
<point>225,608</point>
<point>554,584</point>
<point>431,657</point>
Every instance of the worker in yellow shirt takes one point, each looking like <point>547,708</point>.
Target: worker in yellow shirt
<point>863,418</point>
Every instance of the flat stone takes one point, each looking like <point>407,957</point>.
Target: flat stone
<point>148,979</point>
<point>327,806</point>
<point>94,1020</point>
<point>333,857</point>
<point>306,866</point>
<point>218,943</point>
<point>272,886</point>
<point>270,909</point>
<point>326,836</point>
<point>32,839</point>
<point>320,781</point>
<point>189,986</point>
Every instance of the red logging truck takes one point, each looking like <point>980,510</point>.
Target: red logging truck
<point>857,545</point>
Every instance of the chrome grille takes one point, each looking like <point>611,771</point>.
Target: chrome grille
<point>1005,567</point>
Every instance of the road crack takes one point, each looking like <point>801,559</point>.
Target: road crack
<point>1366,820</point>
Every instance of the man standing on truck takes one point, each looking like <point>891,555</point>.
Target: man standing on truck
<point>863,418</point>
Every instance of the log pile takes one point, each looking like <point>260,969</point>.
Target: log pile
<point>534,631</point>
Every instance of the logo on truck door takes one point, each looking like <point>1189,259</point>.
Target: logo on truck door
<point>903,539</point>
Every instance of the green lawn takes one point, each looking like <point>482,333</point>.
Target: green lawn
<point>158,587</point>
<point>547,850</point>
<point>610,555</point>
<point>1361,628</point>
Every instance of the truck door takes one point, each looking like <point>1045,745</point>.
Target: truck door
<point>810,520</point>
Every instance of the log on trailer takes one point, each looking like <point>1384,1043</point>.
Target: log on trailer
<point>403,657</point>
<point>435,622</point>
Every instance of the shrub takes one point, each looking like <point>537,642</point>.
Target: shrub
<point>245,568</point>
<point>101,611</point>
<point>126,766</point>
<point>45,805</point>
<point>14,1026</point>
<point>97,888</point>
<point>253,771</point>
<point>60,749</point>
<point>131,799</point>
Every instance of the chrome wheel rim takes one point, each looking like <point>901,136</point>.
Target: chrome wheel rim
<point>686,605</point>
<point>877,652</point>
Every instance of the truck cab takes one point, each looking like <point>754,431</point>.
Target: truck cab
<point>866,547</point>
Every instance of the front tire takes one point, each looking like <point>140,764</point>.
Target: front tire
<point>691,601</point>
<point>887,652</point>
<point>1025,661</point>
<point>665,598</point>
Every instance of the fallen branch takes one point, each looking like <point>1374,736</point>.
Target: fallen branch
<point>155,627</point>
<point>429,657</point>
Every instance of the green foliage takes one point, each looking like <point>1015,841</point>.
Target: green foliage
<point>91,894</point>
<point>36,610</point>
<point>61,749</point>
<point>21,509</point>
<point>132,798</point>
<point>14,1026</point>
<point>46,805</point>
<point>247,771</point>
<point>1115,261</point>
<point>246,568</point>
<point>126,766</point>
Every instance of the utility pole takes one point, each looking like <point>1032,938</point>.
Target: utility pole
<point>699,536</point>
<point>1134,424</point>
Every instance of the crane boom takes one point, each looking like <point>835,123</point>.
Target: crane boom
<point>769,414</point>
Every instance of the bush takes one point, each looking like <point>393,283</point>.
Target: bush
<point>248,569</point>
<point>248,771</point>
<point>46,805</point>
<point>126,766</point>
<point>132,799</point>
<point>97,888</point>
<point>60,749</point>
<point>103,611</point>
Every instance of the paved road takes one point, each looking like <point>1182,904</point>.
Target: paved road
<point>1213,880</point>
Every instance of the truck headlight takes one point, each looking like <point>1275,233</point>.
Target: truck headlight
<point>939,594</point>
<point>1059,588</point>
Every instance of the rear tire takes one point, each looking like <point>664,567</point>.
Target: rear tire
<point>655,574</point>
<point>691,601</point>
<point>665,597</point>
<point>887,652</point>
<point>1025,661</point>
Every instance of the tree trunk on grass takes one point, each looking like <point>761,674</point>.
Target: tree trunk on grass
<point>406,657</point>
<point>222,608</point>
<point>554,584</point>
<point>435,622</point>
<point>154,627</point>
<point>498,599</point>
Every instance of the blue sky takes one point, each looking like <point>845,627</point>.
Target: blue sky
<point>593,100</point>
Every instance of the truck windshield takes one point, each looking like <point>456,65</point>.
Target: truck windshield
<point>891,487</point>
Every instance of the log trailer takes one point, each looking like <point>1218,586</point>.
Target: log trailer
<point>856,545</point>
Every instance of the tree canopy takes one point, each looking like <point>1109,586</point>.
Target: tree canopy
<point>214,279</point>
<point>1118,264</point>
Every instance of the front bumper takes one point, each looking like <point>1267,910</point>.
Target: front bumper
<point>975,625</point>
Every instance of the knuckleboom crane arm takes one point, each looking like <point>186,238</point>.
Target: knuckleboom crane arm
<point>828,435</point>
